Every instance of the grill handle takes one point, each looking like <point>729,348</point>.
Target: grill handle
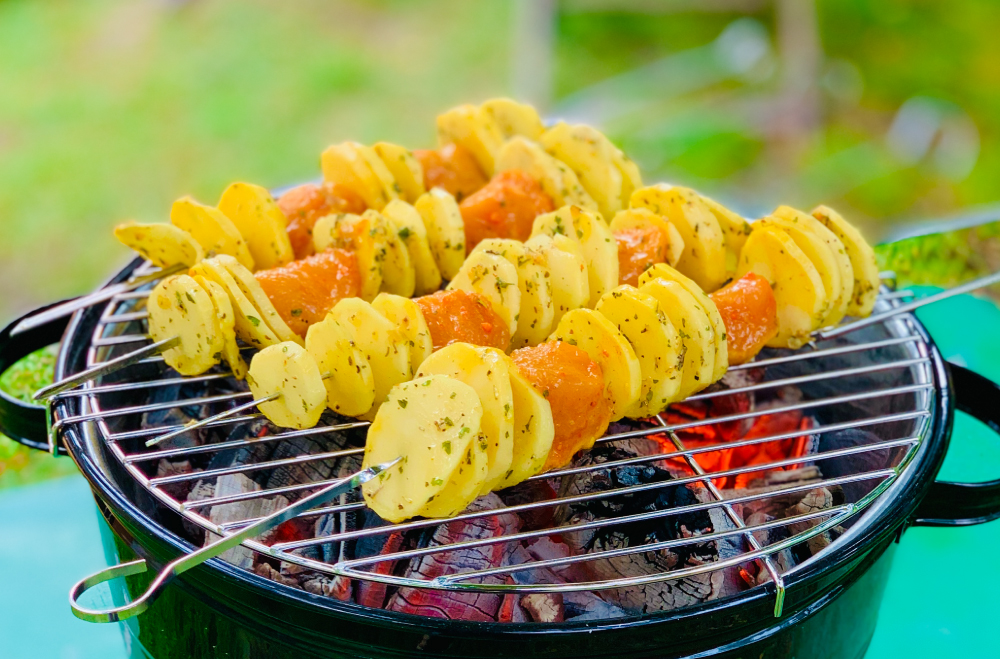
<point>23,422</point>
<point>963,504</point>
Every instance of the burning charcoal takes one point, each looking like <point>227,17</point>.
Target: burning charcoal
<point>730,581</point>
<point>529,492</point>
<point>582,606</point>
<point>181,489</point>
<point>855,463</point>
<point>337,587</point>
<point>265,570</point>
<point>313,471</point>
<point>372,593</point>
<point>544,607</point>
<point>511,609</point>
<point>238,511</point>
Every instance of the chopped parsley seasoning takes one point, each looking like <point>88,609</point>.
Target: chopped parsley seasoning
<point>403,402</point>
<point>296,312</point>
<point>254,321</point>
<point>447,447</point>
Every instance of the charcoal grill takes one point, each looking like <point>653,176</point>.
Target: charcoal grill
<point>886,377</point>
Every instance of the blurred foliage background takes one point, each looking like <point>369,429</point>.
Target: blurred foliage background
<point>888,110</point>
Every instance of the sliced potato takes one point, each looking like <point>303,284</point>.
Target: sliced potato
<point>227,325</point>
<point>474,129</point>
<point>589,154</point>
<point>359,169</point>
<point>718,326</point>
<point>862,256</point>
<point>487,371</point>
<point>556,178</point>
<point>347,375</point>
<point>601,340</point>
<point>534,319</point>
<point>398,276</point>
<point>798,289</point>
<point>405,169</point>
<point>288,370</point>
<point>631,177</point>
<point>694,329</point>
<point>179,307</point>
<point>261,223</point>
<point>656,343</point>
<point>495,278</point>
<point>162,245</point>
<point>596,242</point>
<point>704,256</point>
<point>380,342</point>
<point>735,230</point>
<point>405,314</point>
<point>366,236</point>
<point>534,430</point>
<point>252,289</point>
<point>638,218</point>
<point>513,118</point>
<point>210,227</point>
<point>431,423</point>
<point>248,320</point>
<point>563,258</point>
<point>465,485</point>
<point>445,230</point>
<point>409,226</point>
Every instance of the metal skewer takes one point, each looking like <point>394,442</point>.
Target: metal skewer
<point>194,559</point>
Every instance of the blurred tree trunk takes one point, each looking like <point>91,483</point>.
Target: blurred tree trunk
<point>532,51</point>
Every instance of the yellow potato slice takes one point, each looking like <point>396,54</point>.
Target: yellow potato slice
<point>445,230</point>
<point>252,289</point>
<point>405,169</point>
<point>822,259</point>
<point>862,256</point>
<point>534,430</point>
<point>631,177</point>
<point>465,485</point>
<point>162,245</point>
<point>260,222</point>
<point>656,343</point>
<point>735,230</point>
<point>600,339</point>
<point>398,276</point>
<point>350,386</point>
<point>495,278</point>
<point>209,226</point>
<point>288,370</point>
<point>409,226</point>
<point>179,307</point>
<point>359,168</point>
<point>474,129</point>
<point>718,326</point>
<point>638,218</point>
<point>704,256</point>
<point>693,328</point>
<point>366,236</point>
<point>534,319</point>
<point>596,242</point>
<point>251,328</point>
<point>589,154</point>
<point>563,259</point>
<point>227,325</point>
<point>405,314</point>
<point>487,371</point>
<point>514,118</point>
<point>556,178</point>
<point>431,423</point>
<point>386,351</point>
<point>798,288</point>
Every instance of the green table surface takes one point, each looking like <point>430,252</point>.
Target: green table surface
<point>938,603</point>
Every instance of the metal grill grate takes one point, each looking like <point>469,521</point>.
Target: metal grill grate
<point>884,366</point>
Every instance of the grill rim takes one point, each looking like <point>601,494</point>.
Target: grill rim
<point>809,583</point>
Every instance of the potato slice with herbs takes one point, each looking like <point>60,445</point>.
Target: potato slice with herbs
<point>431,423</point>
<point>380,342</point>
<point>862,256</point>
<point>487,371</point>
<point>563,259</point>
<point>600,339</point>
<point>350,385</point>
<point>366,236</point>
<point>465,485</point>
<point>534,320</point>
<point>720,338</point>
<point>735,230</point>
<point>474,129</point>
<point>596,242</point>
<point>179,307</point>
<point>638,218</point>
<point>694,329</point>
<point>495,278</point>
<point>704,256</point>
<point>286,369</point>
<point>248,320</point>
<point>445,230</point>
<point>252,289</point>
<point>405,169</point>
<point>798,289</point>
<point>162,245</point>
<point>589,154</point>
<point>631,177</point>
<point>210,227</point>
<point>227,325</point>
<point>656,343</point>
<point>405,314</point>
<point>261,223</point>
<point>556,177</point>
<point>513,118</point>
<point>359,169</point>
<point>409,226</point>
<point>534,430</point>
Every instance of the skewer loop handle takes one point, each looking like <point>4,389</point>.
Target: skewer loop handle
<point>125,612</point>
